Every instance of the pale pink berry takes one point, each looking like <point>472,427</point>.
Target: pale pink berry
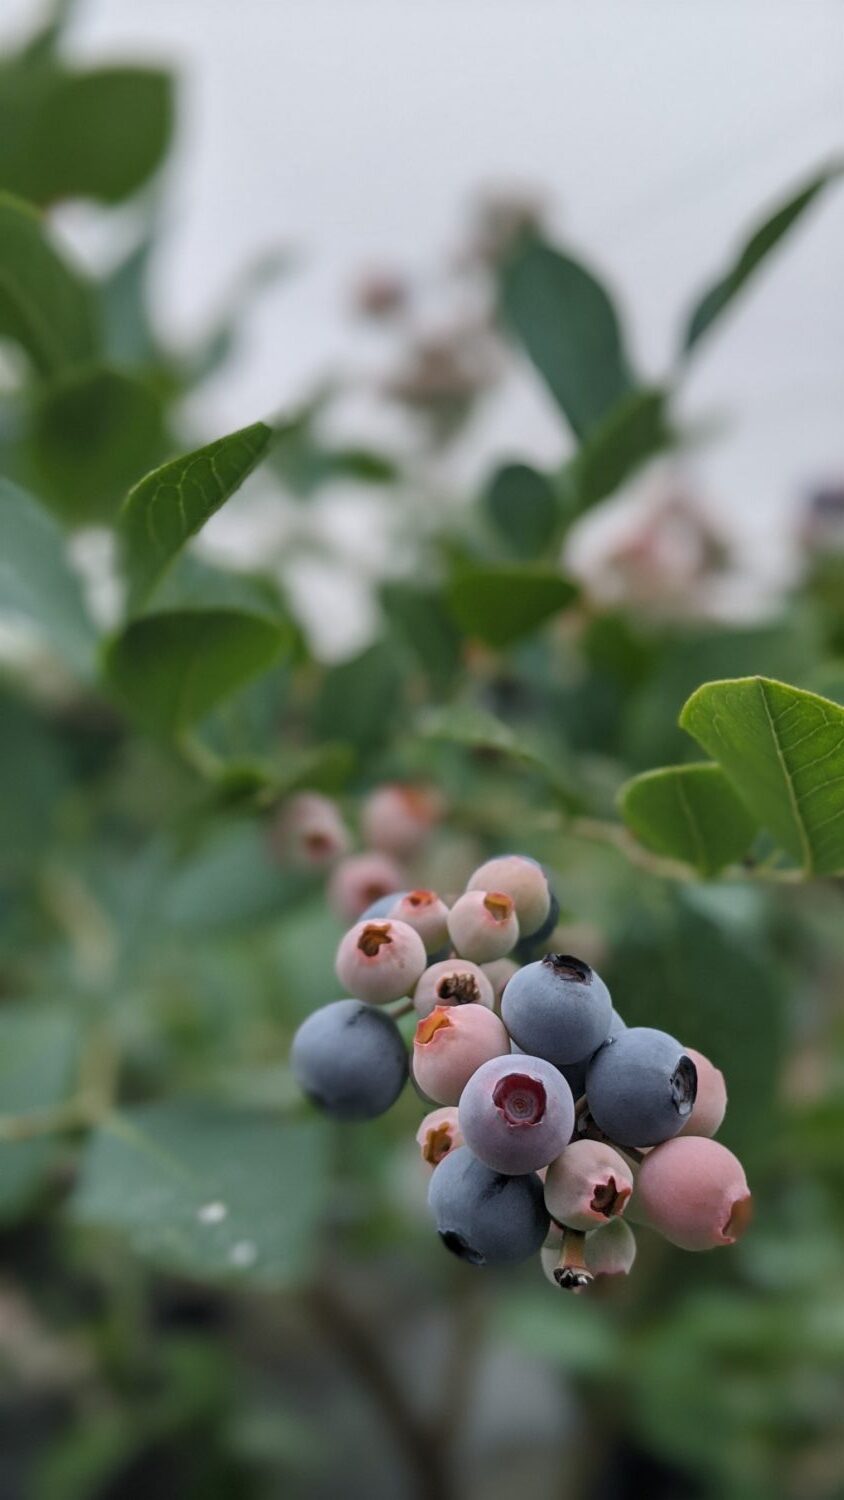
<point>587,1184</point>
<point>710,1104</point>
<point>454,981</point>
<point>361,879</point>
<point>611,1249</point>
<point>427,915</point>
<point>438,1134</point>
<point>308,832</point>
<point>397,818</point>
<point>498,973</point>
<point>523,880</point>
<point>483,925</point>
<point>694,1192</point>
<point>380,961</point>
<point>451,1044</point>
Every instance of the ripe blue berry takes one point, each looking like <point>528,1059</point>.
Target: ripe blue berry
<point>516,1114</point>
<point>523,880</point>
<point>484,1217</point>
<point>350,1060</point>
<point>557,1008</point>
<point>380,961</point>
<point>483,925</point>
<point>641,1087</point>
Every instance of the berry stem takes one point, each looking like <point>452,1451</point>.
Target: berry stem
<point>399,1009</point>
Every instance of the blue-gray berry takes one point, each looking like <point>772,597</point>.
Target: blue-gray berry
<point>557,1008</point>
<point>485,1217</point>
<point>641,1087</point>
<point>350,1060</point>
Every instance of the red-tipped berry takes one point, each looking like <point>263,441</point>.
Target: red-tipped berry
<point>587,1184</point>
<point>483,925</point>
<point>380,961</point>
<point>451,1044</point>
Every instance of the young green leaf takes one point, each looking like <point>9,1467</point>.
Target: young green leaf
<point>499,604</point>
<point>211,1192</point>
<point>45,305</point>
<point>570,329</point>
<point>173,503</point>
<point>523,508</point>
<point>688,813</point>
<point>632,431</point>
<point>360,699</point>
<point>171,669</point>
<point>476,728</point>
<point>418,615</point>
<point>93,433</point>
<point>760,244</point>
<point>71,134</point>
<point>37,581</point>
<point>783,749</point>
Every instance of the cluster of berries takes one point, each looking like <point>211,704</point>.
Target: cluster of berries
<point>557,1123</point>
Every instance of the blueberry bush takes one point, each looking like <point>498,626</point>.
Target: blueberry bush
<point>209,1287</point>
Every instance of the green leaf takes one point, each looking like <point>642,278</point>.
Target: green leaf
<point>784,751</point>
<point>500,604</point>
<point>45,305</point>
<point>173,503</point>
<point>96,134</point>
<point>38,1058</point>
<point>94,432</point>
<point>37,581</point>
<point>689,813</point>
<point>477,729</point>
<point>31,761</point>
<point>580,1336</point>
<point>171,669</point>
<point>418,615</point>
<point>523,508</point>
<point>209,1192</point>
<point>360,699</point>
<point>632,431</point>
<point>570,329</point>
<point>760,244</point>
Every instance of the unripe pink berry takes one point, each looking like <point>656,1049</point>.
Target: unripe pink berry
<point>587,1184</point>
<point>523,880</point>
<point>498,973</point>
<point>483,925</point>
<point>427,915</point>
<point>454,981</point>
<point>438,1134</point>
<point>451,1044</point>
<point>694,1192</point>
<point>397,819</point>
<point>359,880</point>
<point>611,1249</point>
<point>380,961</point>
<point>309,831</point>
<point>710,1104</point>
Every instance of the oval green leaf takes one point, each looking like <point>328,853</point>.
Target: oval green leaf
<point>173,503</point>
<point>45,305</point>
<point>783,749</point>
<point>500,604</point>
<point>171,669</point>
<point>688,813</point>
<point>522,506</point>
<point>37,581</point>
<point>212,1192</point>
<point>570,329</point>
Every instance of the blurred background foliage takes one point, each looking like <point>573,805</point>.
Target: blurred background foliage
<point>204,1290</point>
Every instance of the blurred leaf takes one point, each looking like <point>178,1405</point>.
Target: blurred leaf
<point>95,134</point>
<point>478,729</point>
<point>418,615</point>
<point>570,329</point>
<point>361,699</point>
<point>45,305</point>
<point>128,335</point>
<point>37,581</point>
<point>192,582</point>
<point>753,253</point>
<point>501,603</point>
<point>522,506</point>
<point>576,1334</point>
<point>690,813</point>
<point>304,462</point>
<point>208,1192</point>
<point>31,762</point>
<point>171,669</point>
<point>784,751</point>
<point>94,432</point>
<point>632,431</point>
<point>38,1058</point>
<point>173,503</point>
<point>324,768</point>
<point>231,880</point>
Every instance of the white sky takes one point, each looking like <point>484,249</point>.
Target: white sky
<point>357,129</point>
